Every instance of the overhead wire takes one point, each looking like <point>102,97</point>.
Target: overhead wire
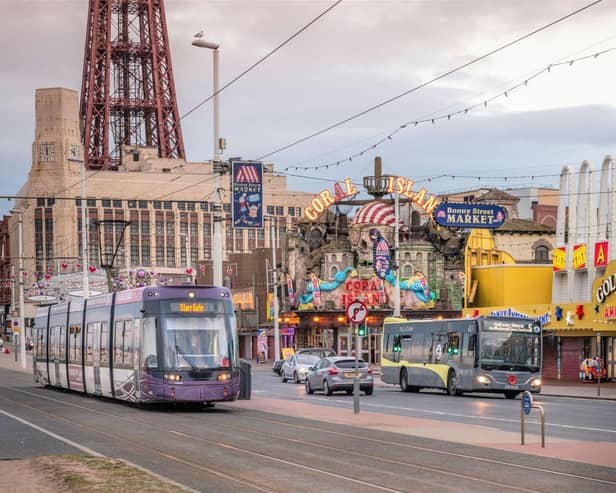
<point>430,81</point>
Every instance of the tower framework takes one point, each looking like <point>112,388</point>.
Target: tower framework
<point>128,94</point>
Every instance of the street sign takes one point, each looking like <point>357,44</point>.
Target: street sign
<point>356,312</point>
<point>527,402</point>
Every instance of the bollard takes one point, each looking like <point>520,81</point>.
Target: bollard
<point>525,406</point>
<point>245,380</point>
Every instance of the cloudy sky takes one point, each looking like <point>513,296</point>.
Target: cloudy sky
<point>359,55</point>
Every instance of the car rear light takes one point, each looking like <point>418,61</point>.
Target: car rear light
<point>369,371</point>
<point>225,362</point>
<point>333,371</point>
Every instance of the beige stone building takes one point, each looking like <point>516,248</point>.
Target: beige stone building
<point>166,202</point>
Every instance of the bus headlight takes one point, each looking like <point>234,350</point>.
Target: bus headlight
<point>223,377</point>
<point>173,377</point>
<point>482,379</point>
<point>535,382</point>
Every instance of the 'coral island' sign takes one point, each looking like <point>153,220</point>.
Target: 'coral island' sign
<point>469,215</point>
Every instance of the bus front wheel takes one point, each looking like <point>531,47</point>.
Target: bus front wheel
<point>452,386</point>
<point>404,381</point>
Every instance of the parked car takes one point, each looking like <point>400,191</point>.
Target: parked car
<point>338,373</point>
<point>317,351</point>
<point>296,366</point>
<point>277,366</point>
<point>592,369</point>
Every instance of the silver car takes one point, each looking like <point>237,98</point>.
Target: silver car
<point>337,373</point>
<point>296,366</point>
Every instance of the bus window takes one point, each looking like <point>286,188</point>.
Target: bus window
<point>453,344</point>
<point>405,347</point>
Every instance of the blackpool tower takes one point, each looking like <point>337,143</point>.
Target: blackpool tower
<point>127,91</point>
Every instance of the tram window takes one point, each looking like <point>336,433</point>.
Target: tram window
<point>123,342</point>
<point>104,342</point>
<point>74,343</point>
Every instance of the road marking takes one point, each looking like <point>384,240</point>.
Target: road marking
<point>53,435</point>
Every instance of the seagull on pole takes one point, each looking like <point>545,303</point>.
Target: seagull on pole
<point>199,34</point>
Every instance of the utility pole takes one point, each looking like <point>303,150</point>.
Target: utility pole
<point>275,297</point>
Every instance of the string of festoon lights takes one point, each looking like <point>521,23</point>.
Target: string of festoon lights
<point>449,115</point>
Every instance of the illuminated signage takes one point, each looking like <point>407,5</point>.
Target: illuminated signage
<point>190,308</point>
<point>579,256</point>
<point>395,184</point>
<point>324,199</point>
<point>470,215</point>
<point>559,259</point>
<point>403,186</point>
<point>601,249</point>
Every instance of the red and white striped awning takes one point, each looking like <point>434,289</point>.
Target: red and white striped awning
<point>376,213</point>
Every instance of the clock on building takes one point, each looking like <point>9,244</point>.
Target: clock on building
<point>73,152</point>
<point>47,152</point>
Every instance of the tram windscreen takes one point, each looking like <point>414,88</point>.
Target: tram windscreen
<point>197,343</point>
<point>503,347</point>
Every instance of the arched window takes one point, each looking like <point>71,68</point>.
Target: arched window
<point>407,256</point>
<point>333,272</point>
<point>407,271</point>
<point>345,260</point>
<point>542,255</point>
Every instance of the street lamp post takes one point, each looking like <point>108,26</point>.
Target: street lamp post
<point>22,328</point>
<point>217,258</point>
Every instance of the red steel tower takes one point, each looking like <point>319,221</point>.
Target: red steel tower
<point>127,91</point>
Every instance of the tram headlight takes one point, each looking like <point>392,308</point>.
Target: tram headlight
<point>223,377</point>
<point>535,382</point>
<point>173,377</point>
<point>482,379</point>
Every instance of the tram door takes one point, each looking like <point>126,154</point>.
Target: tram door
<point>54,356</point>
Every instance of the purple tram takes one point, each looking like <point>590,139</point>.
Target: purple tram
<point>148,345</point>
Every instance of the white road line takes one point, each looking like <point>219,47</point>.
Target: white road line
<point>53,435</point>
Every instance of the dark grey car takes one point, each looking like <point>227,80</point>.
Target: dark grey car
<point>337,373</point>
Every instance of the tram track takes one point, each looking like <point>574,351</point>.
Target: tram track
<point>269,436</point>
<point>215,471</point>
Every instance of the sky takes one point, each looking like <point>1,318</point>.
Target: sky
<point>357,56</point>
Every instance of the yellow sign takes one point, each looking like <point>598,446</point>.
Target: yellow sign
<point>579,256</point>
<point>324,199</point>
<point>560,257</point>
<point>191,308</point>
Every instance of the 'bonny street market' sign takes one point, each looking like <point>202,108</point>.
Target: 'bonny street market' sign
<point>454,215</point>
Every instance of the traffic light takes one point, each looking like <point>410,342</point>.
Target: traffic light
<point>361,330</point>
